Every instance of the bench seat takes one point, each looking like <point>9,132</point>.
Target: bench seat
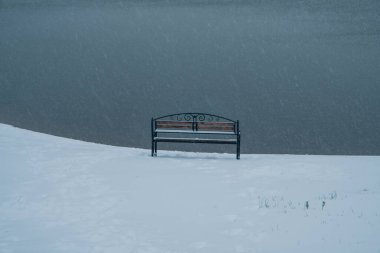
<point>195,140</point>
<point>192,132</point>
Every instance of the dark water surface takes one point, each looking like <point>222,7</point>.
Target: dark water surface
<point>302,76</point>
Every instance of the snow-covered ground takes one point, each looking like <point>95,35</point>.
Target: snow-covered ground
<point>62,195</point>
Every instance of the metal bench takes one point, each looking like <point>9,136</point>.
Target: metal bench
<point>212,128</point>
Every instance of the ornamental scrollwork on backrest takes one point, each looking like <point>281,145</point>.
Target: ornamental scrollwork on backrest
<point>195,117</point>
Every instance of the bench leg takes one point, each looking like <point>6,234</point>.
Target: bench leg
<point>154,148</point>
<point>238,148</point>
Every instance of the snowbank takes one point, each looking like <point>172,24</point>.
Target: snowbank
<point>62,195</point>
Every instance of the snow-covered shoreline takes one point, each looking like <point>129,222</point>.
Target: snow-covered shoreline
<point>62,195</point>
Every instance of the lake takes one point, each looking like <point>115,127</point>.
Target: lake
<point>302,76</point>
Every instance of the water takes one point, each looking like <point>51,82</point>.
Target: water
<point>302,76</point>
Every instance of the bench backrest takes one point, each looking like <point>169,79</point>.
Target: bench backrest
<point>195,122</point>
